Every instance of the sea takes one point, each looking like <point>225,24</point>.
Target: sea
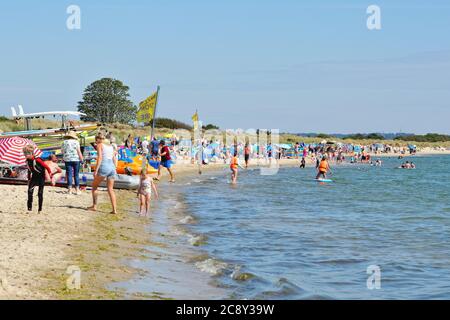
<point>372,233</point>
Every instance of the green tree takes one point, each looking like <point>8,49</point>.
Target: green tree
<point>210,127</point>
<point>107,101</point>
<point>375,136</point>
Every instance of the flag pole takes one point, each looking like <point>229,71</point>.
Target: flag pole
<point>199,128</point>
<point>154,114</point>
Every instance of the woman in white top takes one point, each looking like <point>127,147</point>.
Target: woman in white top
<point>72,158</point>
<point>105,169</point>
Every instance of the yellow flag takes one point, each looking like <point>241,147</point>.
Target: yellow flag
<point>147,109</point>
<point>195,119</point>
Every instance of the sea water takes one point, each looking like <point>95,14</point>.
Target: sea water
<point>287,236</point>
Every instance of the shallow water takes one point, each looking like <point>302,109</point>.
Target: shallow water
<point>287,236</point>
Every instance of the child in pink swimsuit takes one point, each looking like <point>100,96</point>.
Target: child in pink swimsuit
<point>145,193</point>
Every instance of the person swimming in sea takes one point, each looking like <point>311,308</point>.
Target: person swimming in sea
<point>323,168</point>
<point>408,165</point>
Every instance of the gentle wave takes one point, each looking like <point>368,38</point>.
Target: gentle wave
<point>197,240</point>
<point>211,266</point>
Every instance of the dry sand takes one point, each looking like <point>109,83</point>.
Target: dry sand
<point>36,249</point>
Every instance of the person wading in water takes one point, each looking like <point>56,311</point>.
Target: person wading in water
<point>323,168</point>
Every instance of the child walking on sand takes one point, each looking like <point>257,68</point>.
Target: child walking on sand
<point>145,193</point>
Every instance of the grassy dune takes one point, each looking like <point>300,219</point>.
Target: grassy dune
<point>289,138</point>
<point>121,131</point>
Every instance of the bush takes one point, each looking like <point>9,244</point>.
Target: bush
<point>210,127</point>
<point>171,124</point>
<point>360,136</point>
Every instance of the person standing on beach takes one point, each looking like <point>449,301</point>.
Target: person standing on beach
<point>129,142</point>
<point>36,177</point>
<point>105,169</point>
<point>296,149</point>
<point>269,151</point>
<point>246,154</point>
<point>166,161</point>
<point>72,158</point>
<point>154,148</point>
<point>323,168</point>
<point>144,146</point>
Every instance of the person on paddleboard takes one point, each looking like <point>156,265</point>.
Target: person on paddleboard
<point>323,168</point>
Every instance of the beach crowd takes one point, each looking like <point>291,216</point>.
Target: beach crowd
<point>161,154</point>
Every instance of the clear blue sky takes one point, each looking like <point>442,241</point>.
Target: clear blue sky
<point>295,65</point>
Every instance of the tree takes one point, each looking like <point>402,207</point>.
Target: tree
<point>375,136</point>
<point>107,101</point>
<point>210,127</point>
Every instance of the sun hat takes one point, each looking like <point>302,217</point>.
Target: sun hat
<point>71,135</point>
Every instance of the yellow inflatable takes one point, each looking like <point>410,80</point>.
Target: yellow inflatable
<point>134,168</point>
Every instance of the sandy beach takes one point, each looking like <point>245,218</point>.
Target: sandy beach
<point>37,249</point>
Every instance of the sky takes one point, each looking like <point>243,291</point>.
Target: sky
<point>292,65</point>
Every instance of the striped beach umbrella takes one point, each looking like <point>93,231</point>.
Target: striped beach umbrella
<point>11,150</point>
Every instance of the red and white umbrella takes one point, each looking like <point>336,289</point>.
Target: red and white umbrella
<point>11,150</point>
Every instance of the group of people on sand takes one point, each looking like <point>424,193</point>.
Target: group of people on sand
<point>41,171</point>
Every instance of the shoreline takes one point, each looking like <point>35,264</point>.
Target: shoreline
<point>38,249</point>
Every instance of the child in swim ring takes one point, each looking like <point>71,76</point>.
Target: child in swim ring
<point>145,192</point>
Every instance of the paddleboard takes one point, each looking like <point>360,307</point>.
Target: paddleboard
<point>323,180</point>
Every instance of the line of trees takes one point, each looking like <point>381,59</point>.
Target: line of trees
<point>429,137</point>
<point>360,136</point>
